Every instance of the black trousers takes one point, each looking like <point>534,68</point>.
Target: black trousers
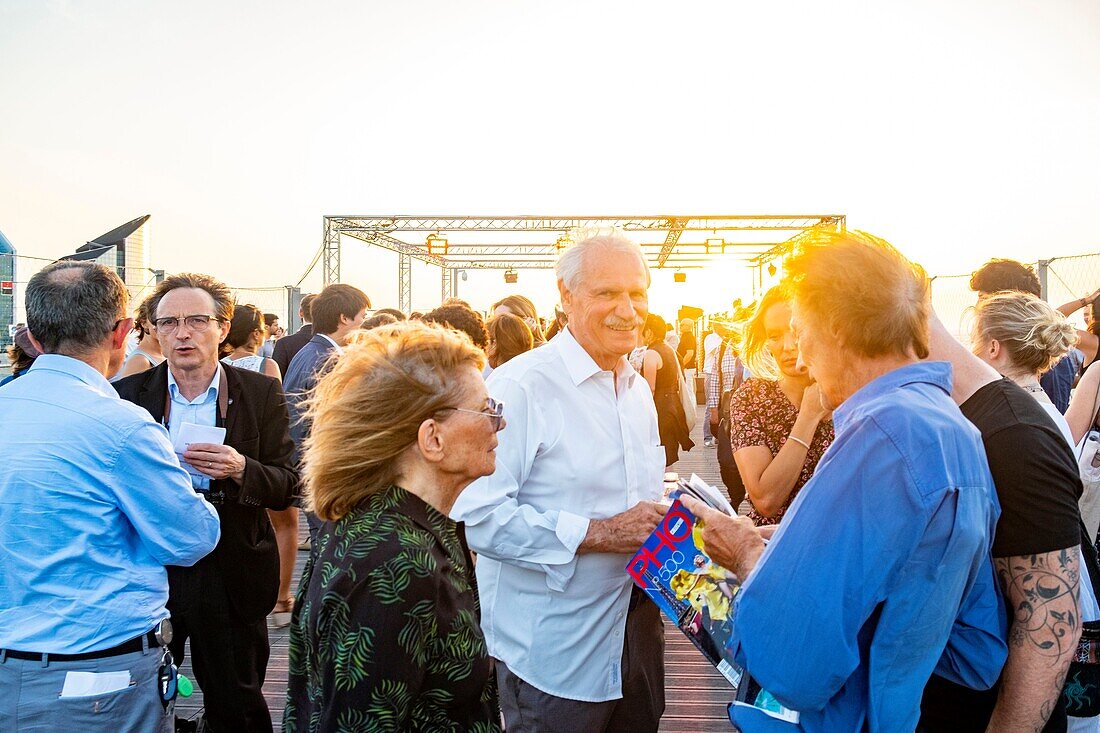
<point>731,477</point>
<point>229,654</point>
<point>528,709</point>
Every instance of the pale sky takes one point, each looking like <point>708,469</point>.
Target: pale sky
<point>957,130</point>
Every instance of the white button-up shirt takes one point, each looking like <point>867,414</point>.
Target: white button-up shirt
<point>577,447</point>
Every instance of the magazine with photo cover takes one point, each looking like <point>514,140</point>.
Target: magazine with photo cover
<point>674,570</point>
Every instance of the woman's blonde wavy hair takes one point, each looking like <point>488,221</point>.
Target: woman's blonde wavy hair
<point>754,339</point>
<point>369,407</point>
<point>1035,335</point>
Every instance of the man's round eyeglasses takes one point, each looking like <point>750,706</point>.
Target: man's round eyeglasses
<point>493,410</point>
<point>196,323</point>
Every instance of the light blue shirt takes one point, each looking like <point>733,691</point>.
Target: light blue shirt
<point>852,603</point>
<point>93,505</point>
<point>203,410</point>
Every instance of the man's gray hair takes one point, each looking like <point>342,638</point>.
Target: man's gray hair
<point>72,305</point>
<point>570,265</point>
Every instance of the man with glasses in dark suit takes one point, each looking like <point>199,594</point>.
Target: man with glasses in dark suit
<point>221,603</point>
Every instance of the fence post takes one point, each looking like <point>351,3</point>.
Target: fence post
<point>293,305</point>
<point>1044,291</point>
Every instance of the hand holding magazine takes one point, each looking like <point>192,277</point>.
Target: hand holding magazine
<point>675,571</point>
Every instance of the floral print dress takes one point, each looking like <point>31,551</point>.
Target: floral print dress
<point>386,635</point>
<point>760,414</point>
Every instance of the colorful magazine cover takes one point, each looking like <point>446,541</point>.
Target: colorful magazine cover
<point>674,570</point>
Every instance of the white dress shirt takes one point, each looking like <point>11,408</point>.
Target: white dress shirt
<point>577,446</point>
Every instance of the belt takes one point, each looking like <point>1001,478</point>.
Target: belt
<point>126,647</point>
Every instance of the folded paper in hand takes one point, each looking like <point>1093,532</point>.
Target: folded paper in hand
<point>191,433</point>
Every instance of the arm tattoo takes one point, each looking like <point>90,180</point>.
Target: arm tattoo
<point>1042,591</point>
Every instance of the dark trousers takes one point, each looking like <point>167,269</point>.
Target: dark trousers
<point>731,477</point>
<point>528,709</point>
<point>229,655</point>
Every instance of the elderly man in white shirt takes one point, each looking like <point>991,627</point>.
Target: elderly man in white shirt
<point>579,470</point>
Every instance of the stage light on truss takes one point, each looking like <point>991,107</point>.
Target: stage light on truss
<point>437,244</point>
<point>564,242</point>
<point>715,245</point>
<point>679,277</point>
<point>771,269</point>
<point>511,277</point>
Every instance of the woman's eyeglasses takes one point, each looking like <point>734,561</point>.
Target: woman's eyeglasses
<point>493,410</point>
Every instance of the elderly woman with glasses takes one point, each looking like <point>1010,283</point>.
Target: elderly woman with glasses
<point>386,630</point>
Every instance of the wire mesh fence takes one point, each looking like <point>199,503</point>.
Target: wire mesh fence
<point>269,300</point>
<point>1064,279</point>
<point>1069,278</point>
<point>953,300</point>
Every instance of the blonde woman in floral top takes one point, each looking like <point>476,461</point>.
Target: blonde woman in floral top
<point>385,634</point>
<point>779,428</point>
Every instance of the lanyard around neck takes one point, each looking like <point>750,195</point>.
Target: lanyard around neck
<point>223,399</point>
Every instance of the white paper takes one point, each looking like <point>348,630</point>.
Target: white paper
<point>191,433</point>
<point>87,684</point>
<point>711,495</point>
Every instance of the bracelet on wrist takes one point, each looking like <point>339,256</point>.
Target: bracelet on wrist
<point>800,441</point>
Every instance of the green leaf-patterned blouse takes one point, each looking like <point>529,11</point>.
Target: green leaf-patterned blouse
<point>385,635</point>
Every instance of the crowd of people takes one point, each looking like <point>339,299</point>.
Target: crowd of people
<point>917,550</point>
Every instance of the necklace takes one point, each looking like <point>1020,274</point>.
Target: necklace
<point>1034,388</point>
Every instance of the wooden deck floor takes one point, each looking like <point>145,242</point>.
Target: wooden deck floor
<point>696,695</point>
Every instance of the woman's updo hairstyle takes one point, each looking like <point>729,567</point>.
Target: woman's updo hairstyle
<point>1035,335</point>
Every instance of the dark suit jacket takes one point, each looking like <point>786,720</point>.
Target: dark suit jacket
<point>299,380</point>
<point>288,346</point>
<point>257,427</point>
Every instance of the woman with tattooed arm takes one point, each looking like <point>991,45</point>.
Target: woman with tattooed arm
<point>1038,544</point>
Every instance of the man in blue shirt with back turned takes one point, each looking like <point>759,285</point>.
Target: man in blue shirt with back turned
<point>884,556</point>
<point>93,505</point>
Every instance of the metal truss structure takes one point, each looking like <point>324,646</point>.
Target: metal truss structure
<point>458,243</point>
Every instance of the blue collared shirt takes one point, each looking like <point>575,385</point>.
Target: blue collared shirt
<point>203,410</point>
<point>93,505</point>
<point>852,603</point>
